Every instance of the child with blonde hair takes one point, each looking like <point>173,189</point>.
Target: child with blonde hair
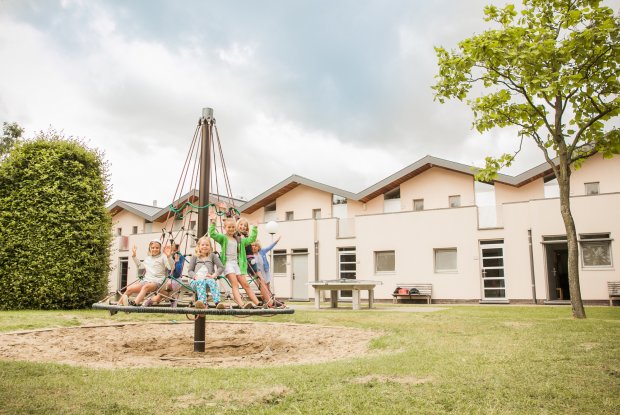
<point>155,267</point>
<point>234,257</point>
<point>243,228</point>
<point>204,267</point>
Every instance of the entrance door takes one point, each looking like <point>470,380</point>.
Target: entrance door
<point>123,269</point>
<point>493,279</point>
<point>347,267</point>
<point>557,271</point>
<point>300,274</point>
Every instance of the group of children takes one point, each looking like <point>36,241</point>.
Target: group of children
<point>240,252</point>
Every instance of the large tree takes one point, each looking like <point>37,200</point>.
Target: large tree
<point>55,239</point>
<point>11,133</point>
<point>551,70</point>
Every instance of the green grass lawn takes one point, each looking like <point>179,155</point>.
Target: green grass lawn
<point>462,360</point>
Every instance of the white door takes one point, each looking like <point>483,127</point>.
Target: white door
<point>492,264</point>
<point>347,267</point>
<point>300,274</point>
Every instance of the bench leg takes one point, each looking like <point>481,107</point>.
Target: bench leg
<point>356,299</point>
<point>334,298</point>
<point>317,298</point>
<point>371,298</point>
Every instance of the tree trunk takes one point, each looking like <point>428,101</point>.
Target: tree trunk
<point>571,237</point>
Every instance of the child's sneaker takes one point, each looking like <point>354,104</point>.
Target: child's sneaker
<point>249,306</point>
<point>199,304</point>
<point>173,303</point>
<point>220,306</point>
<point>148,303</point>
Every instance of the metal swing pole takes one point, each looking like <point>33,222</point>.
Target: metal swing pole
<point>206,124</point>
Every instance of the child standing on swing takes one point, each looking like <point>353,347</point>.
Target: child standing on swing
<point>156,266</point>
<point>243,228</point>
<point>204,268</point>
<point>234,258</point>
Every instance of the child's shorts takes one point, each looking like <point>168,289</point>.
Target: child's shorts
<point>232,267</point>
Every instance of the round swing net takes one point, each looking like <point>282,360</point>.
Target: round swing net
<point>180,233</point>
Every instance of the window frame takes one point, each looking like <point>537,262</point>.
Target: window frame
<point>314,213</point>
<point>414,205</point>
<point>598,188</point>
<point>445,270</point>
<point>603,237</point>
<point>450,201</point>
<point>376,260</point>
<point>278,253</point>
<point>290,215</point>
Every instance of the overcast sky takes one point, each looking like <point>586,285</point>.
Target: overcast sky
<point>337,91</point>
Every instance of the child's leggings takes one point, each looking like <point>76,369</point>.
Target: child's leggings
<point>200,286</point>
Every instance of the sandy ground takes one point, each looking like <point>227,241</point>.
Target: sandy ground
<point>228,344</point>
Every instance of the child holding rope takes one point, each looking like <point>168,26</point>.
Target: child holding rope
<point>234,258</point>
<point>204,267</point>
<point>156,267</point>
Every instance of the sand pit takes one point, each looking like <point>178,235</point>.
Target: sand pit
<point>228,344</point>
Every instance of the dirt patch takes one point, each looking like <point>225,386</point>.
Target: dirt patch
<point>228,344</point>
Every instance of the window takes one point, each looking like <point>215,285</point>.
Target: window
<point>418,205</point>
<point>595,250</point>
<point>445,260</point>
<point>290,216</point>
<point>270,212</point>
<point>119,231</point>
<point>551,187</point>
<point>316,213</point>
<point>391,201</point>
<point>134,230</point>
<point>279,261</point>
<point>148,226</point>
<point>592,188</point>
<point>392,194</point>
<point>339,200</point>
<point>192,225</point>
<point>385,261</point>
<point>454,201</point>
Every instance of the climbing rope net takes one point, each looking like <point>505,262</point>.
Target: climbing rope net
<point>180,229</point>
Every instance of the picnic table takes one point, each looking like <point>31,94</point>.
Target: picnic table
<point>344,284</point>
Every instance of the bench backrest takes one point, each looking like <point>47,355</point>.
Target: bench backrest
<point>424,289</point>
<point>613,287</point>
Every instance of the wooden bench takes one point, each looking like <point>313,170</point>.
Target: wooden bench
<point>614,291</point>
<point>425,291</point>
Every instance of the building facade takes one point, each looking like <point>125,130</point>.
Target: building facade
<point>429,223</point>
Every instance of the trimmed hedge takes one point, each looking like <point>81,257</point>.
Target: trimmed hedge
<point>55,230</point>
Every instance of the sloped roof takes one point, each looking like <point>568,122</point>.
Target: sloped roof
<point>390,182</point>
<point>285,186</point>
<point>158,214</point>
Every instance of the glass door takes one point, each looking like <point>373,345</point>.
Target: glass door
<point>347,267</point>
<point>493,281</point>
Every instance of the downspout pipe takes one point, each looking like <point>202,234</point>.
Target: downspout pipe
<point>532,274</point>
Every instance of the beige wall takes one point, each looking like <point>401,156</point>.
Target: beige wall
<point>435,186</point>
<point>302,200</point>
<point>414,235</point>
<point>597,169</point>
<point>508,194</point>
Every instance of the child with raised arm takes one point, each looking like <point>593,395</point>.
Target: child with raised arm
<point>234,257</point>
<point>204,267</point>
<point>155,266</point>
<point>243,227</point>
<point>171,288</point>
<point>262,265</point>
